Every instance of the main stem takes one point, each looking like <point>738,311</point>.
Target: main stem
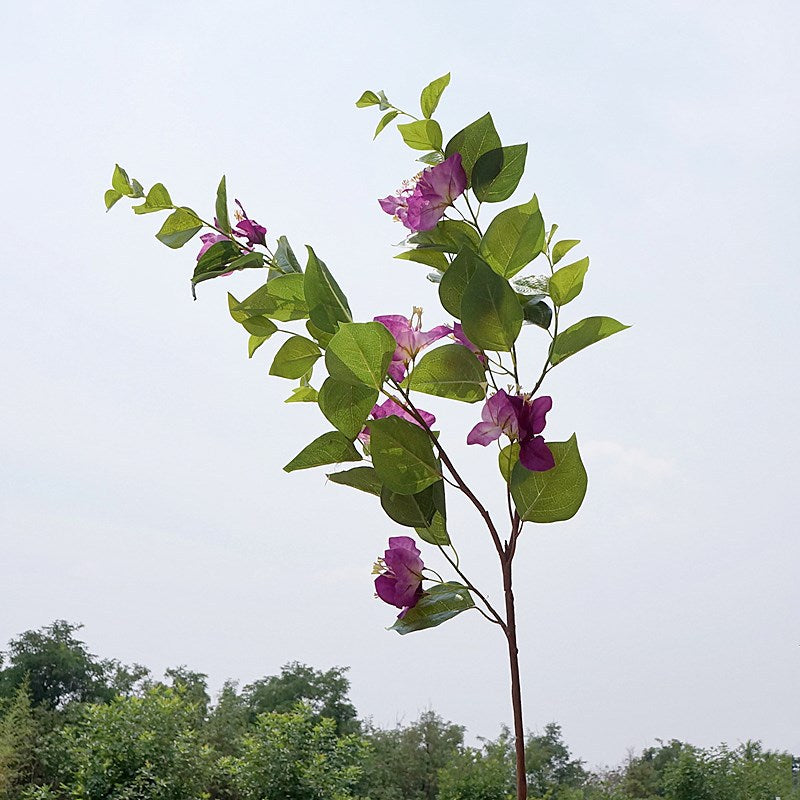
<point>516,687</point>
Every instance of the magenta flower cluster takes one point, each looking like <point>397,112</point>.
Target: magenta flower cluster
<point>399,581</point>
<point>521,419</point>
<point>247,229</point>
<point>421,205</point>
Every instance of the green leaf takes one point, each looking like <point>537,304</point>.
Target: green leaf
<point>562,248</point>
<point>260,327</point>
<point>451,371</point>
<point>346,406</point>
<point>435,532</point>
<point>367,99</point>
<point>327,304</point>
<point>449,236</point>
<point>553,495</point>
<point>179,227</point>
<point>582,334</point>
<point>507,459</point>
<point>497,173</point>
<point>122,183</point>
<point>255,341</point>
<point>553,229</point>
<point>110,197</point>
<point>455,280</point>
<point>411,510</point>
<point>360,353</point>
<point>424,134</point>
<point>402,455</point>
<point>280,298</point>
<point>157,199</point>
<point>490,311</point>
<point>285,258</point>
<point>385,120</point>
<point>217,258</point>
<point>294,359</point>
<point>537,312</point>
<point>221,208</point>
<point>472,142</point>
<point>383,101</point>
<point>432,159</point>
<point>431,258</point>
<point>302,394</point>
<point>330,448</point>
<point>514,238</point>
<point>567,283</point>
<point>441,602</point>
<point>364,479</point>
<point>323,337</point>
<point>431,95</point>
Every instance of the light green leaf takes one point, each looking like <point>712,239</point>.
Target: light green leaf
<point>432,159</point>
<point>556,494</point>
<point>121,182</point>
<point>327,304</point>
<point>322,337</point>
<point>451,371</point>
<point>285,258</point>
<point>553,229</point>
<point>363,478</point>
<point>385,120</point>
<point>346,406</point>
<point>255,341</point>
<point>455,280</point>
<point>582,334</point>
<point>514,238</point>
<point>302,394</point>
<point>383,101</point>
<point>497,173</point>
<point>367,99</point>
<point>402,455</point>
<point>110,197</point>
<point>562,248</point>
<point>360,353</point>
<point>507,459</point>
<point>157,199</point>
<point>330,448</point>
<point>490,311</point>
<point>472,142</point>
<point>260,327</point>
<point>295,358</point>
<point>423,134</point>
<point>221,207</point>
<point>567,283</point>
<point>179,227</point>
<point>438,604</point>
<point>280,298</point>
<point>431,258</point>
<point>449,236</point>
<point>431,95</point>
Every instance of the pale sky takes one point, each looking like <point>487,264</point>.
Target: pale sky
<point>141,490</point>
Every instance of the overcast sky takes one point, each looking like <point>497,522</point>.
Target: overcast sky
<point>141,490</point>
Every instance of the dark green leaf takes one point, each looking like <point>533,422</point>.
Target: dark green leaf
<point>295,358</point>
<point>367,99</point>
<point>431,258</point>
<point>302,394</point>
<point>562,248</point>
<point>553,495</point>
<point>449,236</point>
<point>472,142</point>
<point>490,312</point>
<point>363,478</point>
<point>497,173</point>
<point>179,227</point>
<point>567,283</point>
<point>330,448</point>
<point>326,302</point>
<point>423,134</point>
<point>385,120</point>
<point>435,532</point>
<point>261,327</point>
<point>221,207</point>
<point>451,371</point>
<point>217,258</point>
<point>110,197</point>
<point>411,510</point>
<point>454,281</point>
<point>431,95</point>
<point>360,353</point>
<point>285,258</point>
<point>537,312</point>
<point>514,238</point>
<point>582,334</point>
<point>323,337</point>
<point>157,199</point>
<point>441,602</point>
<point>402,455</point>
<point>345,405</point>
<point>507,459</point>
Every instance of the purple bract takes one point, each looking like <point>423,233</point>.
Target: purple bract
<point>400,580</point>
<point>410,339</point>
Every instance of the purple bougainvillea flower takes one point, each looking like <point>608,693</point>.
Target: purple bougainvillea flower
<point>391,409</point>
<point>522,420</point>
<point>248,228</point>
<point>499,417</point>
<point>208,239</point>
<point>410,339</point>
<point>461,338</point>
<point>399,582</point>
<point>421,205</point>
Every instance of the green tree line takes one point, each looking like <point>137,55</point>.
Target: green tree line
<point>77,727</point>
